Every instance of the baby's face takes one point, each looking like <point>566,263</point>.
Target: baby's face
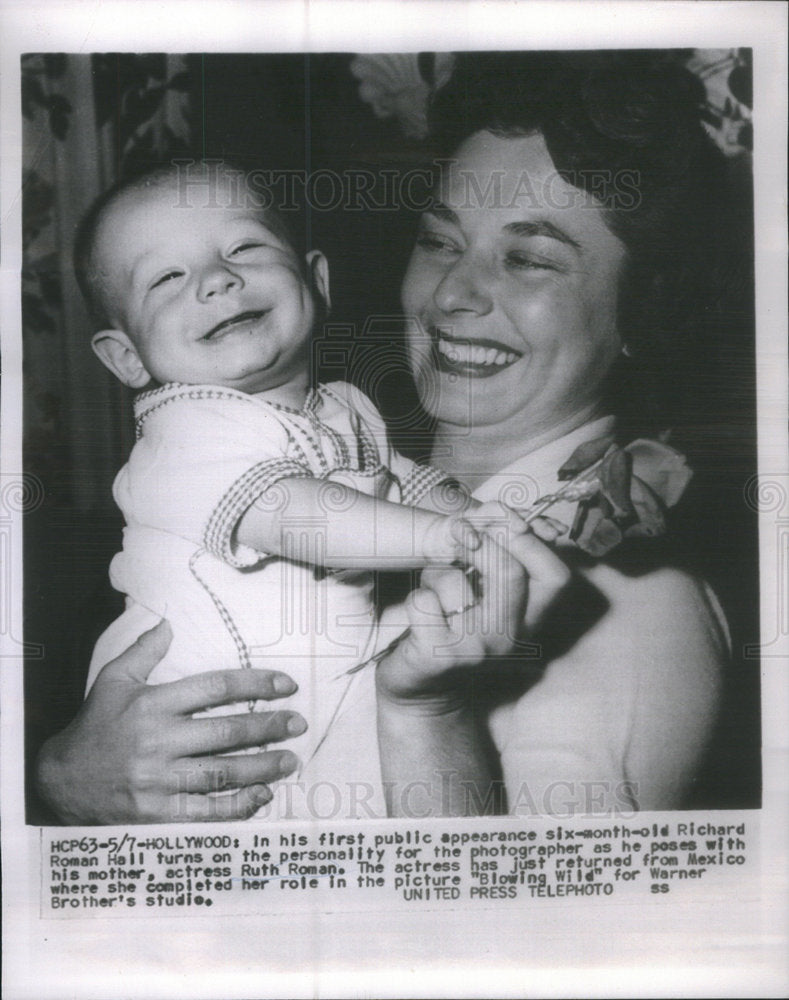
<point>206,294</point>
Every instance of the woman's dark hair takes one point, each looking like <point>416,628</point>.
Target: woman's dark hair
<point>626,128</point>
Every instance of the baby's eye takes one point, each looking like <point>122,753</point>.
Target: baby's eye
<point>247,245</point>
<point>163,278</point>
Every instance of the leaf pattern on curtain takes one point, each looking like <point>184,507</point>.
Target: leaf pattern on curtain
<point>88,120</point>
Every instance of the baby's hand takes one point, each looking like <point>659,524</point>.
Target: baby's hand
<point>449,540</point>
<point>452,540</point>
<point>493,518</point>
<point>502,522</point>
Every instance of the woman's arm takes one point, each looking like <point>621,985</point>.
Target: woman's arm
<point>134,754</point>
<point>623,714</point>
<point>435,750</point>
<point>682,650</point>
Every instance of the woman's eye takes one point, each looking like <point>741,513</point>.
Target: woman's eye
<point>162,279</point>
<point>434,243</point>
<point>527,262</point>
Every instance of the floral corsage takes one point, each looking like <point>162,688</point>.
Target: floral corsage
<point>622,492</point>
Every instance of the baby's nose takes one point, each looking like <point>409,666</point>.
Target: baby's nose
<point>218,280</point>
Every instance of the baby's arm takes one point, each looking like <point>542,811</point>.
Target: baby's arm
<point>451,498</point>
<point>327,524</point>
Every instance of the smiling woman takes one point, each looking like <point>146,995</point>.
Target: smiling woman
<point>559,294</point>
<point>534,281</point>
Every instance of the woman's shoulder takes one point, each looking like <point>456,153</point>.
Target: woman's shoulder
<point>613,633</point>
<point>628,688</point>
<point>656,595</point>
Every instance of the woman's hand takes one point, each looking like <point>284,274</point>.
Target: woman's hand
<point>436,754</point>
<point>134,754</point>
<point>454,624</point>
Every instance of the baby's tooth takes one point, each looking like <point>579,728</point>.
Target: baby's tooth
<point>490,355</point>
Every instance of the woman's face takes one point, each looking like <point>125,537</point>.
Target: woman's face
<point>511,292</point>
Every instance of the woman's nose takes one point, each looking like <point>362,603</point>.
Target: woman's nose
<point>218,279</point>
<point>465,287</point>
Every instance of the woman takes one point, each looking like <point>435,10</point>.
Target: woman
<point>563,242</point>
<point>537,249</point>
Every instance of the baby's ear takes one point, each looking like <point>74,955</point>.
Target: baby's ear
<point>319,272</point>
<point>116,351</point>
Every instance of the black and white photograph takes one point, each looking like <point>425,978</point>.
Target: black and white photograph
<point>394,499</point>
<point>540,268</point>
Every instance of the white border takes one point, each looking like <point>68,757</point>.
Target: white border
<point>736,948</point>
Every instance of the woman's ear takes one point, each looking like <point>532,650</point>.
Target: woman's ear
<point>116,351</point>
<point>319,272</point>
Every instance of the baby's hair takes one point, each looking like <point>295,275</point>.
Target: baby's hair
<point>85,265</point>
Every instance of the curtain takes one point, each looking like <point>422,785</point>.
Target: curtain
<point>87,121</point>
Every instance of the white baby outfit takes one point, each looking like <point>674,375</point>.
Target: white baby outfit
<point>203,455</point>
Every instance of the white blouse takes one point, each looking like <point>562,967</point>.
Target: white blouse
<point>620,718</point>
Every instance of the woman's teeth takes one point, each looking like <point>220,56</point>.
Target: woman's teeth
<point>463,354</point>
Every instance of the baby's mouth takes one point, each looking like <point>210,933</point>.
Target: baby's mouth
<point>479,357</point>
<point>239,319</point>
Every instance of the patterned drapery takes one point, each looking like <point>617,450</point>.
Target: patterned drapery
<point>87,120</point>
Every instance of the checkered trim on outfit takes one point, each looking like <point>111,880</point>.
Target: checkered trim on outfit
<point>242,649</point>
<point>146,403</point>
<point>218,536</point>
<point>421,480</point>
<point>370,456</point>
<point>316,450</point>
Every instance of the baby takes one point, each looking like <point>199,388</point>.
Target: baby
<point>255,506</point>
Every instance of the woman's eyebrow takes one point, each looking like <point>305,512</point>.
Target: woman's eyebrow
<point>533,228</point>
<point>440,211</point>
<point>541,228</point>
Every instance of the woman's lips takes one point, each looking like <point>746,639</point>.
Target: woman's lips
<point>229,324</point>
<point>480,357</point>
